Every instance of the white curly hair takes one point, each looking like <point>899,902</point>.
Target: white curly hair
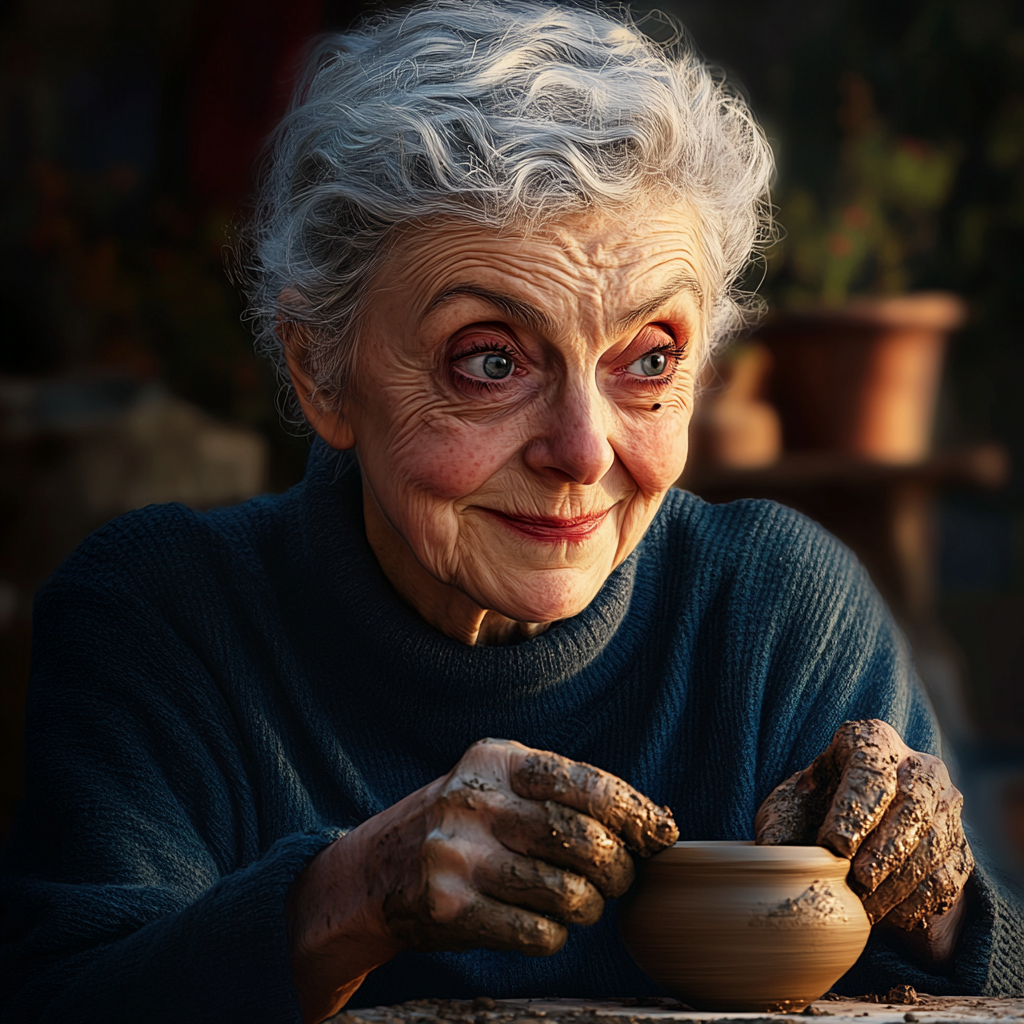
<point>503,113</point>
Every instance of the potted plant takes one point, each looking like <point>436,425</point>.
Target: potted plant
<point>858,359</point>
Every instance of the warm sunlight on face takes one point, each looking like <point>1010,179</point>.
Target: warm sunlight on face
<point>520,405</point>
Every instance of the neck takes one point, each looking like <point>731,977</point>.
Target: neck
<point>445,607</point>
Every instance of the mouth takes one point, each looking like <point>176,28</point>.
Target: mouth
<point>552,528</point>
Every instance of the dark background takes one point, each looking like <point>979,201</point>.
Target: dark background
<point>128,133</point>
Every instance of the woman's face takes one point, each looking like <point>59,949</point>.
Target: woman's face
<point>520,403</point>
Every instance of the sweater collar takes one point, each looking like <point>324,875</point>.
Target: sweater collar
<point>400,641</point>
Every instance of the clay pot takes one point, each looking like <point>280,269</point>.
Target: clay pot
<point>733,426</point>
<point>734,926</point>
<point>862,380</point>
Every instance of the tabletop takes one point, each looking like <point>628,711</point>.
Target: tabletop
<point>900,1006</point>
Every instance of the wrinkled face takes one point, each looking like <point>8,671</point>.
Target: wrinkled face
<point>520,404</point>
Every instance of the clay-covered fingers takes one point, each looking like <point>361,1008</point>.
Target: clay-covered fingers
<point>567,839</point>
<point>864,759</point>
<point>539,886</point>
<point>920,782</point>
<point>792,812</point>
<point>841,796</point>
<point>892,810</point>
<point>475,921</point>
<point>932,877</point>
<point>938,892</point>
<point>645,827</point>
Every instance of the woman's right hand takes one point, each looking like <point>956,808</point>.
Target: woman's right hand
<point>502,852</point>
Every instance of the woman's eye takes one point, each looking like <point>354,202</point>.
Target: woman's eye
<point>488,365</point>
<point>653,364</point>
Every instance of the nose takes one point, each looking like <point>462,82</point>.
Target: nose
<point>572,444</point>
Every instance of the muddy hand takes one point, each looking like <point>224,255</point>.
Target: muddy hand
<point>645,827</point>
<point>503,852</point>
<point>893,810</point>
<point>517,843</point>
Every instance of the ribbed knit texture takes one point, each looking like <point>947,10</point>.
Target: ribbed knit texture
<point>217,696</point>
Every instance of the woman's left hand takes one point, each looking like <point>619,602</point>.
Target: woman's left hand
<point>895,813</point>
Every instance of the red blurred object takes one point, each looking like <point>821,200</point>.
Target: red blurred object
<point>241,87</point>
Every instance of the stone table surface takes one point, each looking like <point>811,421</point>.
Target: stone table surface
<point>900,1008</point>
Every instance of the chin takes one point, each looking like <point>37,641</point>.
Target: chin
<point>545,596</point>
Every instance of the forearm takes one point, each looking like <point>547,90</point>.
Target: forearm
<point>337,933</point>
<point>335,936</point>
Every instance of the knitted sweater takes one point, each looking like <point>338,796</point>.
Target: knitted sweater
<point>217,696</point>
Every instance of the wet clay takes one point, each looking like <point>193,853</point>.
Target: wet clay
<point>571,840</point>
<point>840,798</point>
<point>906,821</point>
<point>479,922</point>
<point>734,926</point>
<point>815,905</point>
<point>933,876</point>
<point>559,894</point>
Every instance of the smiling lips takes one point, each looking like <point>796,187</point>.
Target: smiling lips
<point>552,528</point>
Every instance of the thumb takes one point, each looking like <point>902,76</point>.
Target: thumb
<point>793,811</point>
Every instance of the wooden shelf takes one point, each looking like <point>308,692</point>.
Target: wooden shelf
<point>984,466</point>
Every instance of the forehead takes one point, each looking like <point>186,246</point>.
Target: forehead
<point>587,264</point>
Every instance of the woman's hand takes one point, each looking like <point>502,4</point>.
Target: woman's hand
<point>896,813</point>
<point>501,853</point>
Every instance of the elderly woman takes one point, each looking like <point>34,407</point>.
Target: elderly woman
<point>495,244</point>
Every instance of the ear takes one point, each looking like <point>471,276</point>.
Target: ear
<point>331,424</point>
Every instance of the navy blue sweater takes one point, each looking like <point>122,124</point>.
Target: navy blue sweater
<point>216,696</point>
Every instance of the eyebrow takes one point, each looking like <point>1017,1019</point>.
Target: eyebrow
<point>537,320</point>
<point>680,282</point>
<point>514,309</point>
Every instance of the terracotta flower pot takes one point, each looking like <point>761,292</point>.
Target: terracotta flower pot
<point>734,926</point>
<point>862,380</point>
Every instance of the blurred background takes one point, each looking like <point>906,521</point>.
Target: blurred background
<point>882,394</point>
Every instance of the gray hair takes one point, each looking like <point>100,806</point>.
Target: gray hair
<point>503,113</point>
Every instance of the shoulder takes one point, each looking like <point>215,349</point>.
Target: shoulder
<point>762,545</point>
<point>162,593</point>
<point>171,549</point>
<point>794,602</point>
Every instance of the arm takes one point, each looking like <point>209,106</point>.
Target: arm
<point>139,884</point>
<point>135,884</point>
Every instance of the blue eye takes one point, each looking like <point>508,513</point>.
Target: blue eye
<point>492,365</point>
<point>651,365</point>
<point>497,366</point>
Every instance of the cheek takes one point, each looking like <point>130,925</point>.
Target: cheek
<point>654,452</point>
<point>452,459</point>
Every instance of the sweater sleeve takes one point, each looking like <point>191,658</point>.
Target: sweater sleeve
<point>838,655</point>
<point>135,884</point>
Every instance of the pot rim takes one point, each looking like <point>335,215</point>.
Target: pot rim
<point>933,310</point>
<point>733,851</point>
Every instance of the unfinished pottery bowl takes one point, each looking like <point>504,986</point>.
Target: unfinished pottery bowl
<point>734,926</point>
